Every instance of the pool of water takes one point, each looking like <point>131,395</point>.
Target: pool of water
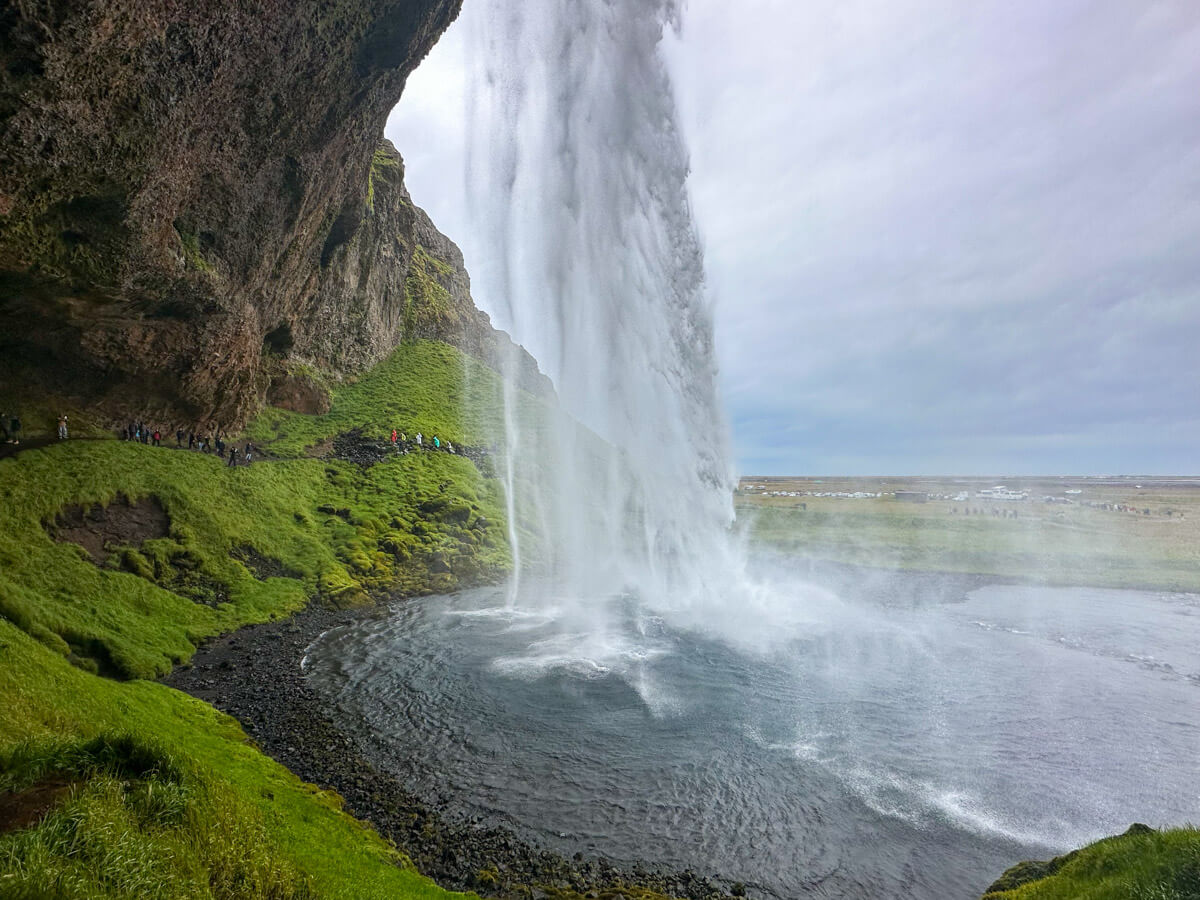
<point>870,736</point>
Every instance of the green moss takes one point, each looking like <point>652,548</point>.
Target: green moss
<point>46,250</point>
<point>428,306</point>
<point>384,163</point>
<point>190,242</point>
<point>384,159</point>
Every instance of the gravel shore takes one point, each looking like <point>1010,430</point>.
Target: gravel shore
<point>254,675</point>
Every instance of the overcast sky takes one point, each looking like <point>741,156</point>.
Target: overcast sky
<point>943,237</point>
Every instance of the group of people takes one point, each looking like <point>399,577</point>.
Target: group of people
<point>142,433</point>
<point>196,440</point>
<point>401,443</point>
<point>10,424</point>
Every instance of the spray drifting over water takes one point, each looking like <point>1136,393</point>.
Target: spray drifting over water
<point>578,174</point>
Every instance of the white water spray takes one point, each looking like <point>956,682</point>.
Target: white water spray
<point>578,174</point>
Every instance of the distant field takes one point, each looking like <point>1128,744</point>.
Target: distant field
<point>1109,532</point>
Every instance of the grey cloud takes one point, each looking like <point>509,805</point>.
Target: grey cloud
<point>941,235</point>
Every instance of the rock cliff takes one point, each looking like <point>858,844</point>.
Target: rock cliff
<point>192,194</point>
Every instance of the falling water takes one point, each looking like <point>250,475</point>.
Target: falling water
<point>579,175</point>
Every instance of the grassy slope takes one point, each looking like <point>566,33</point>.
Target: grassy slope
<point>421,522</point>
<point>1150,865</point>
<point>213,816</point>
<point>424,386</point>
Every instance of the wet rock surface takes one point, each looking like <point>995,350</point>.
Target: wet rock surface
<point>192,194</point>
<point>262,567</point>
<point>254,675</point>
<point>355,447</point>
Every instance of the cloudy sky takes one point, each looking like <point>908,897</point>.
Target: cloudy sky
<point>942,237</point>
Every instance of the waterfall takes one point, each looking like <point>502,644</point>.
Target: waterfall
<point>577,175</point>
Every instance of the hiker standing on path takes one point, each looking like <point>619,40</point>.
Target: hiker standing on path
<point>14,429</point>
<point>420,440</point>
<point>4,425</point>
<point>62,427</point>
<point>157,438</point>
<point>248,451</point>
<point>393,438</point>
<point>178,438</point>
<point>232,458</point>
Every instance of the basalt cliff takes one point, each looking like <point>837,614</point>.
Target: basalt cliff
<point>196,197</point>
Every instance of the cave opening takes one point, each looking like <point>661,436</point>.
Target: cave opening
<point>279,341</point>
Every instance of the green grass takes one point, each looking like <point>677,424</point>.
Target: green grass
<point>423,386</point>
<point>173,801</point>
<point>417,523</point>
<point>214,817</point>
<point>1138,865</point>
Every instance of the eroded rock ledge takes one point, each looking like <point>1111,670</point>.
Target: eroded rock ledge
<point>193,194</point>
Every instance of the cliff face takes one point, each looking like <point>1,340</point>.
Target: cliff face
<point>190,192</point>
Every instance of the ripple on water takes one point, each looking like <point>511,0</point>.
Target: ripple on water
<point>913,751</point>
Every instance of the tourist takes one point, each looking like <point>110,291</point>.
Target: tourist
<point>62,427</point>
<point>393,438</point>
<point>232,457</point>
<point>157,437</point>
<point>220,446</point>
<point>249,450</point>
<point>420,439</point>
<point>191,439</point>
<point>14,429</point>
<point>178,437</point>
<point>437,444</point>
<point>449,447</point>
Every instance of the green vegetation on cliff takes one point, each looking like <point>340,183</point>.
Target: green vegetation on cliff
<point>423,386</point>
<point>155,793</point>
<point>1142,864</point>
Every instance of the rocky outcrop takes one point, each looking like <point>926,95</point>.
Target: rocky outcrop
<point>397,277</point>
<point>190,193</point>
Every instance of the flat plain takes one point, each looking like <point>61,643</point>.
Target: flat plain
<point>1118,531</point>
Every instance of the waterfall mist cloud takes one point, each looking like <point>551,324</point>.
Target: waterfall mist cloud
<point>942,238</point>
